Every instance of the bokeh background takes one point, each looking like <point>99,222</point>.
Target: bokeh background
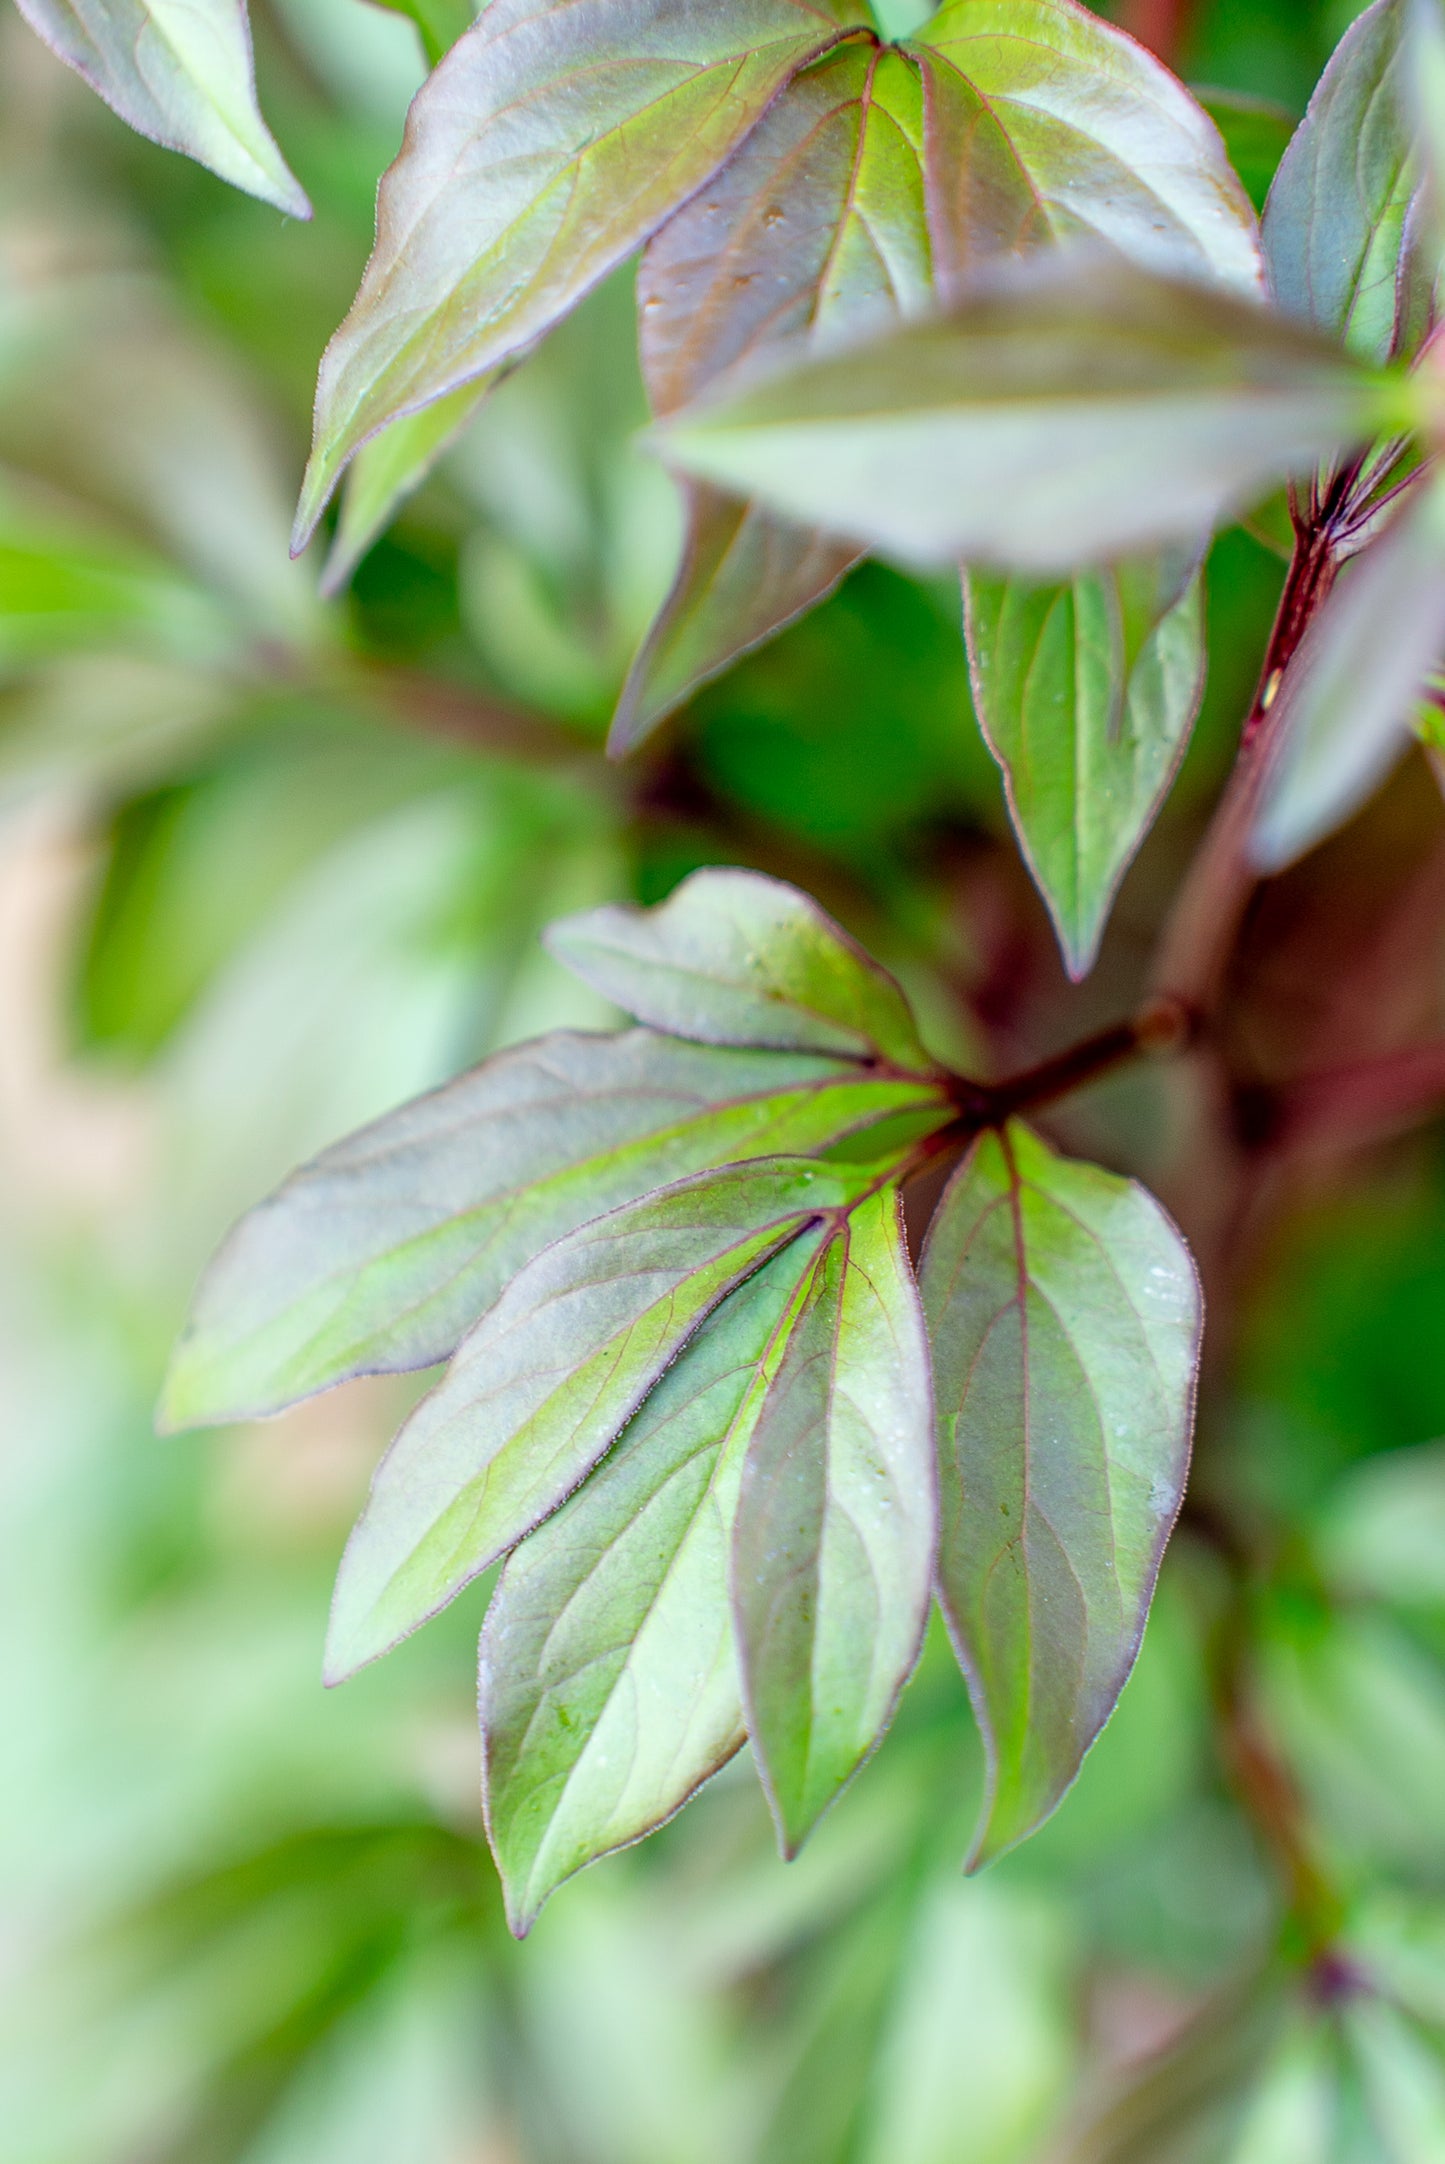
<point>270,865</point>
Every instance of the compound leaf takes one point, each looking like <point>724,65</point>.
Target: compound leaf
<point>834,1542</point>
<point>1086,692</point>
<point>382,1251</point>
<point>180,72</point>
<point>989,136</point>
<point>732,957</point>
<point>1335,223</point>
<point>1344,710</point>
<point>554,138</point>
<point>1064,1314</point>
<point>547,1379</point>
<point>1073,409</point>
<point>1045,123</point>
<point>609,1686</point>
<point>814,230</point>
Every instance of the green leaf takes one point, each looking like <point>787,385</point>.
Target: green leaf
<point>1344,710</point>
<point>1334,226</point>
<point>829,218</point>
<point>833,1548</point>
<point>391,466</point>
<point>1086,692</point>
<point>554,138</point>
<point>1256,133</point>
<point>1064,1313</point>
<point>1072,409</point>
<point>547,1379</point>
<point>609,1688</point>
<point>439,22</point>
<point>732,957</point>
<point>180,72</point>
<point>65,586</point>
<point>1045,123</point>
<point>1189,2103</point>
<point>382,1251</point>
<point>814,230</point>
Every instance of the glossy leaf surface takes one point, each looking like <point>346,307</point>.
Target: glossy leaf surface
<point>813,231</point>
<point>1064,1314</point>
<point>546,1381</point>
<point>1344,710</point>
<point>1334,226</point>
<point>732,957</point>
<point>834,1544</point>
<point>609,1686</point>
<point>1086,692</point>
<point>1044,123</point>
<point>180,72</point>
<point>380,1254</point>
<point>1074,410</point>
<point>553,139</point>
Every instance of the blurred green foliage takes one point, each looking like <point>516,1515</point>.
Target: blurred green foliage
<point>269,867</point>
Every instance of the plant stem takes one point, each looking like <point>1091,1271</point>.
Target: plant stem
<point>1159,1028</point>
<point>1200,933</point>
<point>1162,25</point>
<point>1267,1793</point>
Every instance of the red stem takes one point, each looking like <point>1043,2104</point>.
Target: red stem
<point>1197,939</point>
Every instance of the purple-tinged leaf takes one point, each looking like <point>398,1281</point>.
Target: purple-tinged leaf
<point>546,1381</point>
<point>1070,410</point>
<point>1064,1314</point>
<point>553,139</point>
<point>379,1254</point>
<point>833,1547</point>
<point>732,957</point>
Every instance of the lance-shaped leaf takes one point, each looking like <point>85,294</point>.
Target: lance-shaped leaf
<point>837,1516</point>
<point>1334,226</point>
<point>389,468</point>
<point>732,957</point>
<point>180,72</point>
<point>546,1381</point>
<point>1045,123</point>
<point>552,140</point>
<point>608,1681</point>
<point>822,223</point>
<point>381,1252</point>
<point>1072,409</point>
<point>813,231</point>
<point>1086,692</point>
<point>1064,1314</point>
<point>1344,711</point>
